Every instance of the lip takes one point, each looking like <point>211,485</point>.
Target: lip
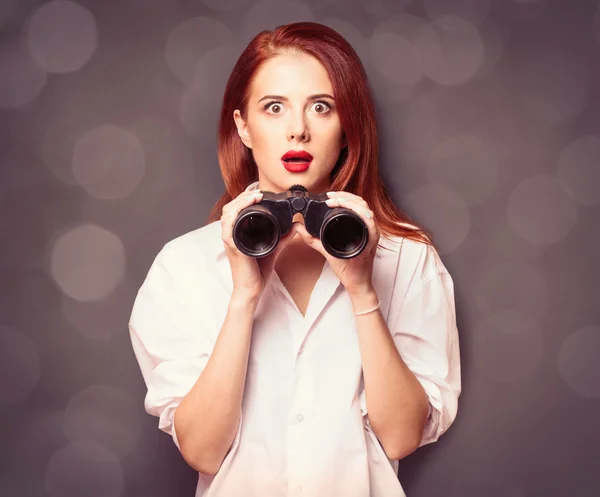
<point>297,154</point>
<point>296,167</point>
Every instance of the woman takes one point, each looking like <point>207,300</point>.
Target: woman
<point>299,373</point>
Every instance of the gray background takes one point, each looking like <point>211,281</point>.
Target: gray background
<point>489,129</point>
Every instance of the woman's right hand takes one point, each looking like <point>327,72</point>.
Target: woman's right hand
<point>249,274</point>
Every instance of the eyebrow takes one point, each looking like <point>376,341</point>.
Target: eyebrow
<point>280,97</point>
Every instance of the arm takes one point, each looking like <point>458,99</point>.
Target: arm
<point>397,404</point>
<point>207,419</point>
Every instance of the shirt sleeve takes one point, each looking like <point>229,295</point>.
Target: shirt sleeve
<point>423,327</point>
<point>168,330</point>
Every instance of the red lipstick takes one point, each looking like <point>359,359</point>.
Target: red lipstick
<point>296,161</point>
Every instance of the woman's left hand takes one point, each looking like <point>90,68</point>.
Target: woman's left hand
<point>355,273</point>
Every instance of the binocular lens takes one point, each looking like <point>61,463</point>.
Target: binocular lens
<point>256,233</point>
<point>344,234</point>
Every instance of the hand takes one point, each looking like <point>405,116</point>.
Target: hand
<point>249,274</point>
<point>355,273</point>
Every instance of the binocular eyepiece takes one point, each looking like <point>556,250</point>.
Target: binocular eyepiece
<point>258,227</point>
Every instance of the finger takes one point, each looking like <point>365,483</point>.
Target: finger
<point>312,241</point>
<point>349,195</point>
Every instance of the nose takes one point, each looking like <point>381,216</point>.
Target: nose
<point>297,127</point>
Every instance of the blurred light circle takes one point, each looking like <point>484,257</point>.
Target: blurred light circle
<point>352,34</point>
<point>190,41</point>
<point>198,108</point>
<point>513,285</point>
<point>578,362</point>
<point>57,143</point>
<point>464,164</point>
<point>19,366</point>
<point>579,169</point>
<point>108,162</point>
<point>443,211</point>
<point>394,57</point>
<point>106,415</point>
<point>84,468</point>
<point>495,38</point>
<point>87,262</point>
<point>101,319</point>
<point>540,210</point>
<point>418,130</point>
<point>62,36</point>
<point>396,54</point>
<point>268,14</point>
<point>453,52</point>
<point>509,244</point>
<point>474,11</point>
<point>554,86</point>
<point>24,80</point>
<point>507,346</point>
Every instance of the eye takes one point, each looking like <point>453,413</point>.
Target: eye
<point>278,104</point>
<point>321,103</point>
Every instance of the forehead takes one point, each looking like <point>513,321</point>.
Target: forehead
<point>289,75</point>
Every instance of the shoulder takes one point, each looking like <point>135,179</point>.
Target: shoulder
<point>412,256</point>
<point>189,255</point>
<point>201,244</point>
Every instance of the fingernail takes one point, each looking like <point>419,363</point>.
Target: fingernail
<point>368,215</point>
<point>330,201</point>
<point>330,193</point>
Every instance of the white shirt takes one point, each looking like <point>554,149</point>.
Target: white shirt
<point>304,428</point>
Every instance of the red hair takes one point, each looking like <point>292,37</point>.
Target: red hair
<point>356,170</point>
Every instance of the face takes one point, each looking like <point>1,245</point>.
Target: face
<point>292,121</point>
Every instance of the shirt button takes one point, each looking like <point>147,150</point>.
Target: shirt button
<point>300,417</point>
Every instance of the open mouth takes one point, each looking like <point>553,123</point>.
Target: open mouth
<point>296,165</point>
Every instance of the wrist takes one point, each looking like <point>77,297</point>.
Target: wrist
<point>364,298</point>
<point>243,298</point>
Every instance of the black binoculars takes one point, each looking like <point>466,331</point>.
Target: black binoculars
<point>258,227</point>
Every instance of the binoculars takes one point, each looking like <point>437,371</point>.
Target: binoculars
<point>258,227</point>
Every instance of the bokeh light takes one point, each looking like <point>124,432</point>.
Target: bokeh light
<point>443,211</point>
<point>474,11</point>
<point>509,348</point>
<point>87,262</point>
<point>578,362</point>
<point>84,468</point>
<point>22,79</point>
<point>579,169</point>
<point>106,415</point>
<point>62,36</point>
<point>514,286</point>
<point>190,41</point>
<point>466,165</point>
<point>541,210</point>
<point>268,14</point>
<point>453,52</point>
<point>108,162</point>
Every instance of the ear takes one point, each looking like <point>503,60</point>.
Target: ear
<point>242,129</point>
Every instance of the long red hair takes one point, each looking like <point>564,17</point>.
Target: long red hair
<point>356,170</point>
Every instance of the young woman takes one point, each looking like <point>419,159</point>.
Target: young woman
<point>299,374</point>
